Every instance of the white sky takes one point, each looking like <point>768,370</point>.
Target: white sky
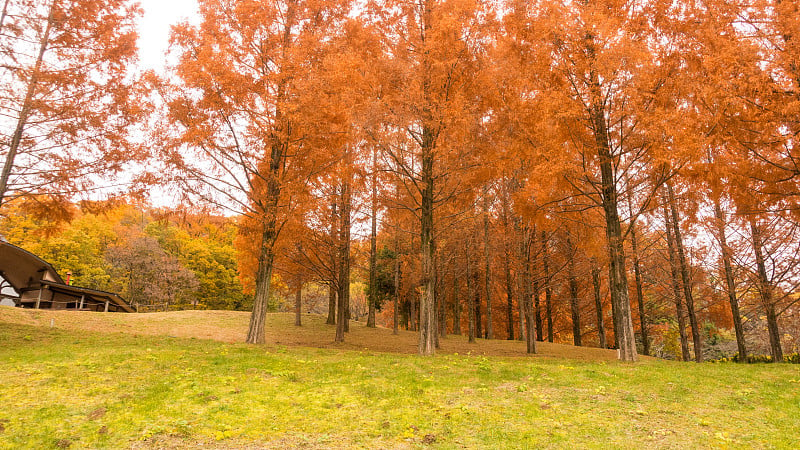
<point>154,28</point>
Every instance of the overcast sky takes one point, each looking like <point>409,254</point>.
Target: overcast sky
<point>154,28</point>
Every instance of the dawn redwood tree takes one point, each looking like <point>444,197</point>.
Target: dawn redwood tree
<point>433,45</point>
<point>234,134</point>
<point>66,97</point>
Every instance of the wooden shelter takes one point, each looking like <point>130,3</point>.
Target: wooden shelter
<point>36,284</point>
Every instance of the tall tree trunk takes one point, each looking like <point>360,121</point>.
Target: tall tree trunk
<point>343,310</point>
<point>456,307</point>
<point>478,316</point>
<point>676,290</point>
<point>471,328</point>
<point>685,277</point>
<point>507,253</point>
<point>27,103</point>
<point>334,282</point>
<point>441,315</point>
<point>730,285</point>
<point>526,300</point>
<point>256,330</point>
<point>573,296</point>
<point>396,318</point>
<point>618,281</point>
<point>509,298</point>
<point>298,304</point>
<point>548,293</point>
<point>487,263</point>
<point>637,273</point>
<point>765,291</point>
<point>373,243</point>
<point>523,284</point>
<point>331,305</point>
<point>598,305</point>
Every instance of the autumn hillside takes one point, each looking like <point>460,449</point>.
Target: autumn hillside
<point>231,327</point>
<point>143,381</point>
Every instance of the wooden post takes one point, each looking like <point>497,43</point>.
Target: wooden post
<point>106,306</point>
<point>39,298</point>
<point>80,307</point>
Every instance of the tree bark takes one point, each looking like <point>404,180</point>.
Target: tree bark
<point>685,277</point>
<point>765,291</point>
<point>548,293</point>
<point>618,280</point>
<point>526,300</point>
<point>471,328</point>
<point>343,310</point>
<point>298,304</point>
<point>487,265</point>
<point>396,318</point>
<point>373,243</point>
<point>676,290</point>
<point>730,285</point>
<point>256,329</point>
<point>637,273</point>
<point>333,286</point>
<point>427,325</point>
<point>598,306</point>
<point>456,307</point>
<point>573,296</point>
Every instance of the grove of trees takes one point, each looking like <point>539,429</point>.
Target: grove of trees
<point>615,173</point>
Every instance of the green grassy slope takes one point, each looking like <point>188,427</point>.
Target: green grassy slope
<point>89,389</point>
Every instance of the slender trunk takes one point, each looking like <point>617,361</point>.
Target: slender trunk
<point>523,284</point>
<point>441,315</point>
<point>427,318</point>
<point>685,277</point>
<point>618,281</point>
<point>535,276</point>
<point>395,321</point>
<point>509,282</point>
<point>3,14</point>
<point>573,296</point>
<point>373,243</point>
<point>332,287</point>
<point>478,316</point>
<point>343,310</point>
<point>765,291</point>
<point>729,281</point>
<point>548,293</point>
<point>637,273</point>
<point>487,265</point>
<point>470,300</point>
<point>27,104</point>
<point>456,307</point>
<point>509,298</point>
<point>298,304</point>
<point>598,305</point>
<point>527,304</point>
<point>331,305</point>
<point>676,290</point>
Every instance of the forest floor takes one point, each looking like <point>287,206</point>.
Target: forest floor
<point>231,327</point>
<point>172,381</point>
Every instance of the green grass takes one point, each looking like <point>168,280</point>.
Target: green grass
<point>62,388</point>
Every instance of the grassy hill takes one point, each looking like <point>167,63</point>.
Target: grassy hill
<point>181,380</point>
